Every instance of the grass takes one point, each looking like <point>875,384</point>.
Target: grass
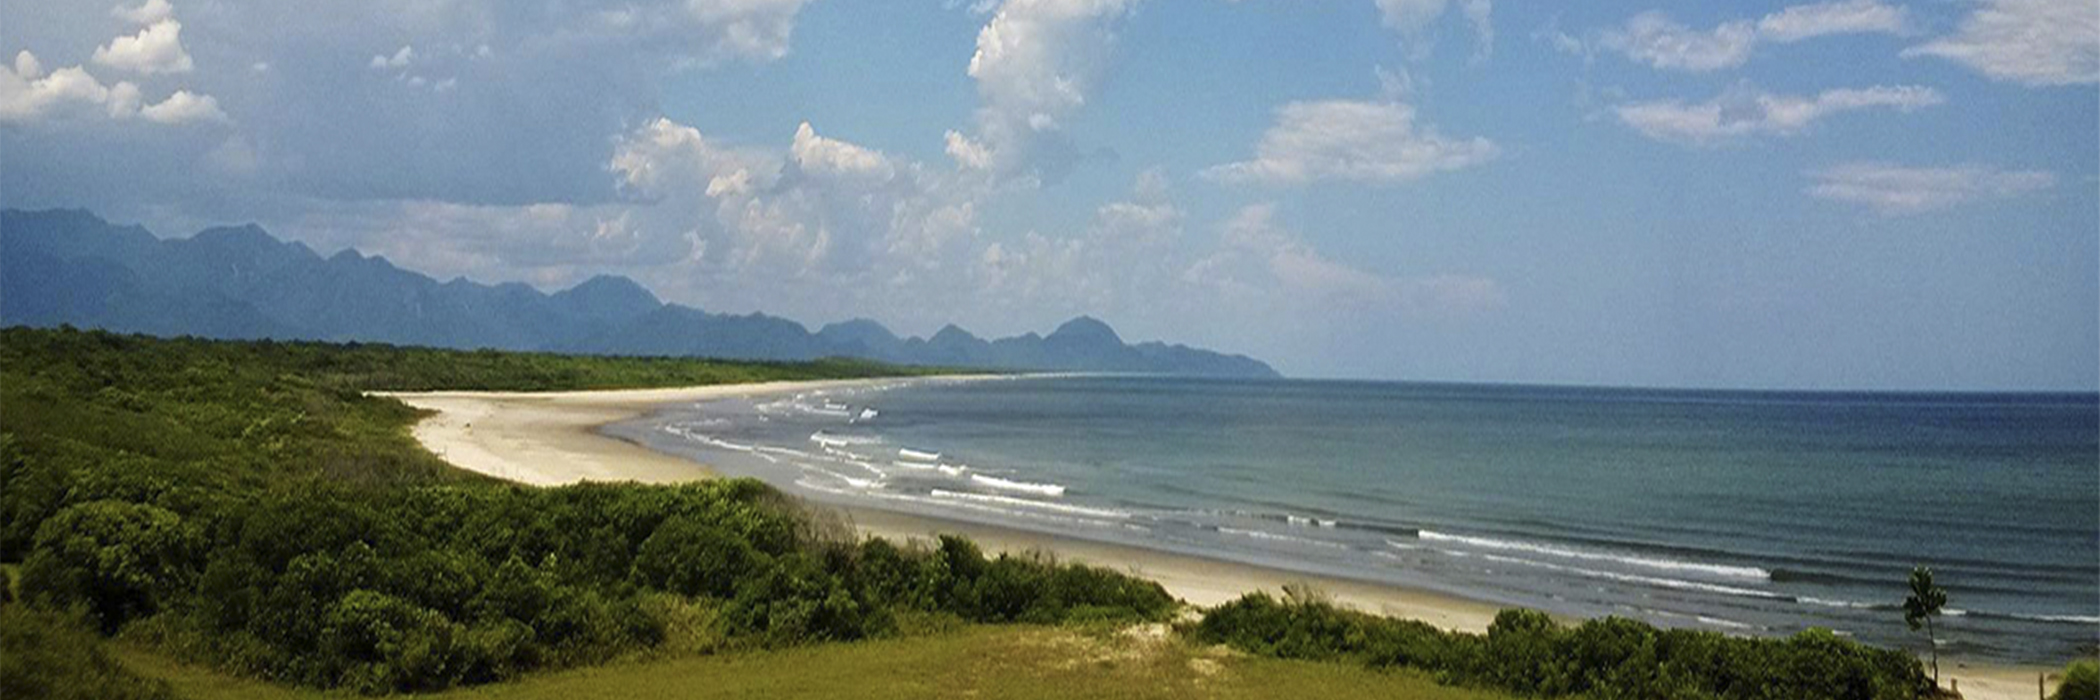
<point>1005,661</point>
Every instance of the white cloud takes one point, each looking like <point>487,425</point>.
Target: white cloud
<point>1893,190</point>
<point>1124,261</point>
<point>185,107</point>
<point>1259,261</point>
<point>1801,22</point>
<point>29,96</point>
<point>1480,14</point>
<point>400,59</point>
<point>967,153</point>
<point>1744,111</point>
<point>27,67</point>
<point>749,29</point>
<point>149,12</point>
<point>1035,62</point>
<point>2030,42</point>
<point>1655,39</point>
<point>823,207</point>
<point>154,50</point>
<point>1412,17</point>
<point>1349,140</point>
<point>818,155</point>
<point>124,100</point>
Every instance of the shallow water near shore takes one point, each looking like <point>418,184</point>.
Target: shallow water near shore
<point>1744,512</point>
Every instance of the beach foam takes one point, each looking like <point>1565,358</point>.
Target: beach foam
<point>1719,570</point>
<point>1027,503</point>
<point>1656,581</point>
<point>1011,485</point>
<point>1274,537</point>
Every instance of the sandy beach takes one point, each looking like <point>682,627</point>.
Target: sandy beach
<point>552,438</point>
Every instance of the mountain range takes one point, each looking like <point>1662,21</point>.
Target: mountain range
<point>72,267</point>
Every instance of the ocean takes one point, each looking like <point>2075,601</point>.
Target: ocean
<point>1745,512</point>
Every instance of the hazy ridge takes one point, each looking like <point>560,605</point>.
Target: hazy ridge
<point>72,267</point>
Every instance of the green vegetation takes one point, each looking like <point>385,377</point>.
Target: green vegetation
<point>247,506</point>
<point>1527,653</point>
<point>1923,604</point>
<point>1005,661</point>
<point>47,654</point>
<point>2081,681</point>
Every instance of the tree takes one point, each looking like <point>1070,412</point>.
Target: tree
<point>1924,603</point>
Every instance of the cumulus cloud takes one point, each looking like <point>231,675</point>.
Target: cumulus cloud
<point>1378,142</point>
<point>1124,260</point>
<point>149,12</point>
<point>1744,111</point>
<point>2031,42</point>
<point>28,95</point>
<point>470,80</point>
<point>1894,190</point>
<point>1035,62</point>
<point>1655,39</point>
<point>154,50</point>
<point>184,107</point>
<point>824,156</point>
<point>400,59</point>
<point>824,209</point>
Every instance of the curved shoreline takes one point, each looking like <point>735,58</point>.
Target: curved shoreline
<point>553,438</point>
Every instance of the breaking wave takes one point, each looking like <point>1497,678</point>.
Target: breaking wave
<point>1719,570</point>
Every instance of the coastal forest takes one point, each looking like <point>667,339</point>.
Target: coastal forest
<point>247,508</point>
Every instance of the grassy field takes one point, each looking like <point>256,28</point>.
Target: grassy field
<point>1008,661</point>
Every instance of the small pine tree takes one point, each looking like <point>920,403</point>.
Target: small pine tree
<point>1924,603</point>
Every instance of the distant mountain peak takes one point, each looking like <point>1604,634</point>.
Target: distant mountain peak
<point>952,333</point>
<point>860,329</point>
<point>609,296</point>
<point>243,232</point>
<point>1087,329</point>
<point>612,286</point>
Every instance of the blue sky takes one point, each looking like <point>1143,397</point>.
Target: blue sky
<point>1848,194</point>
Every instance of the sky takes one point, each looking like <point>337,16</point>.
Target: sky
<point>1858,194</point>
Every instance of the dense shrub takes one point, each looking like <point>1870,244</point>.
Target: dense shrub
<point>45,654</point>
<point>119,560</point>
<point>2081,681</point>
<point>695,558</point>
<point>1528,653</point>
<point>246,505</point>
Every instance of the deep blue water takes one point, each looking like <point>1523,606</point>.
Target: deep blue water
<point>1748,512</point>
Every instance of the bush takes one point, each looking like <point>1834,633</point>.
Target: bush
<point>695,558</point>
<point>1528,653</point>
<point>119,560</point>
<point>46,654</point>
<point>388,644</point>
<point>2081,681</point>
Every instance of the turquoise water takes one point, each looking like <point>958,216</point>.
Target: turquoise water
<point>1752,513</point>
